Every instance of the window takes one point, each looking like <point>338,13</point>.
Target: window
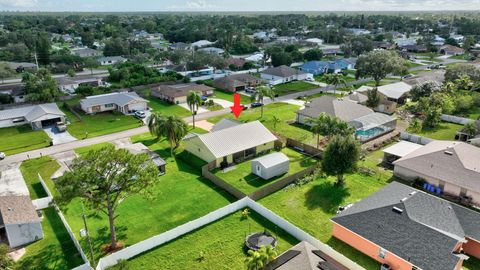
<point>109,105</point>
<point>382,253</point>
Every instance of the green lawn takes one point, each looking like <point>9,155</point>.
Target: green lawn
<point>221,242</point>
<point>166,108</point>
<point>444,131</point>
<point>46,167</point>
<point>311,206</point>
<point>229,96</point>
<point>243,179</point>
<point>20,139</point>
<point>179,196</point>
<point>292,87</point>
<point>471,264</point>
<point>83,150</point>
<point>55,251</point>
<point>283,111</point>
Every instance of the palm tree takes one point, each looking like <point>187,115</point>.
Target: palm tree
<point>275,121</point>
<point>329,126</point>
<point>268,254</point>
<point>319,126</point>
<point>193,100</point>
<point>335,80</point>
<point>254,261</point>
<point>260,94</point>
<point>170,127</point>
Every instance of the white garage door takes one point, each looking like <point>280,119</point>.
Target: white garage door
<point>137,107</point>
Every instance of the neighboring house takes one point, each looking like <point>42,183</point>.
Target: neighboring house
<point>37,116</point>
<point>365,121</point>
<point>111,60</point>
<point>140,148</point>
<point>415,48</point>
<point>331,51</point>
<point>451,50</point>
<point>383,45</point>
<point>22,66</point>
<point>457,38</point>
<point>225,123</point>
<point>359,31</point>
<point>452,167</point>
<point>19,221</point>
<point>236,62</point>
<point>202,43</point>
<point>322,67</point>
<point>283,74</point>
<point>177,93</point>
<point>435,76</point>
<point>232,144</point>
<point>124,102</point>
<point>70,84</point>
<point>15,91</point>
<point>314,41</point>
<point>86,52</point>
<point>390,95</point>
<point>271,165</point>
<point>357,97</point>
<point>304,256</point>
<point>212,50</point>
<point>438,41</point>
<point>179,46</point>
<point>287,39</point>
<point>399,150</point>
<point>237,82</point>
<point>404,229</point>
<point>402,42</point>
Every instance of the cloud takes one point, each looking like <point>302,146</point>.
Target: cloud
<point>18,4</point>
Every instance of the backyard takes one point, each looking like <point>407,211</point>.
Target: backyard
<point>243,179</point>
<point>55,251</point>
<point>221,248</point>
<point>22,138</point>
<point>443,131</point>
<point>163,211</point>
<point>310,206</point>
<point>46,167</point>
<point>284,113</point>
<point>292,87</point>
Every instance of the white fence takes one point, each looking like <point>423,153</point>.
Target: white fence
<point>414,138</point>
<point>455,119</point>
<point>172,234</point>
<point>65,223</point>
<point>42,203</point>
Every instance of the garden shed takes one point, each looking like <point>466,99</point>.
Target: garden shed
<point>270,165</point>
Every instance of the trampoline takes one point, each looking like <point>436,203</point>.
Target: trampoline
<point>256,240</point>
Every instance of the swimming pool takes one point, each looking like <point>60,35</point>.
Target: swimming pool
<point>364,135</point>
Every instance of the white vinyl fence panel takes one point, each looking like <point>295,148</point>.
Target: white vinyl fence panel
<point>83,267</point>
<point>455,119</point>
<point>414,138</point>
<point>42,203</point>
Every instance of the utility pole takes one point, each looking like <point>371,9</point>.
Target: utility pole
<point>88,235</point>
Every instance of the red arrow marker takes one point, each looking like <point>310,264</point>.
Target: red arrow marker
<point>236,108</point>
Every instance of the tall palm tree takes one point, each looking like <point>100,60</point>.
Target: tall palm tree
<point>335,80</point>
<point>260,94</point>
<point>172,128</point>
<point>319,126</point>
<point>193,100</point>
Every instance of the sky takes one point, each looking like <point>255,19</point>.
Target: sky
<point>236,5</point>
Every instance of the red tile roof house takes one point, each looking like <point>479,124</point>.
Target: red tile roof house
<point>453,167</point>
<point>408,229</point>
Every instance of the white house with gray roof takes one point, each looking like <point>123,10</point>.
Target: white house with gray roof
<point>111,60</point>
<point>230,144</point>
<point>283,74</point>
<point>38,116</point>
<point>124,102</point>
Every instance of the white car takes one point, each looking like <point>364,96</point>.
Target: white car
<point>140,114</point>
<point>2,155</point>
<point>309,79</point>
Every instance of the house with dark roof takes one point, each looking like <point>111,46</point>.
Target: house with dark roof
<point>236,82</point>
<point>177,93</point>
<point>124,102</point>
<point>451,50</point>
<point>110,60</point>
<point>19,221</point>
<point>70,84</point>
<point>86,52</point>
<point>37,116</point>
<point>452,167</point>
<point>283,74</point>
<point>404,229</point>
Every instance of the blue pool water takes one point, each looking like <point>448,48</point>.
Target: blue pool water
<point>369,133</point>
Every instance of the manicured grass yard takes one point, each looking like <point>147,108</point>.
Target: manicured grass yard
<point>311,206</point>
<point>444,131</point>
<point>166,108</point>
<point>221,242</point>
<point>55,251</point>
<point>229,96</point>
<point>295,86</point>
<point>84,150</point>
<point>243,179</point>
<point>179,196</point>
<point>283,111</point>
<point>46,167</point>
<point>19,139</point>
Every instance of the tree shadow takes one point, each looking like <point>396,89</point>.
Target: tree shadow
<point>102,238</point>
<point>325,196</point>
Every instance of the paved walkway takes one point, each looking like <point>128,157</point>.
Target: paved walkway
<point>203,124</point>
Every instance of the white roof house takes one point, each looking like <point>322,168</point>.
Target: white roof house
<point>36,115</point>
<point>202,43</point>
<point>124,102</point>
<point>392,91</point>
<point>402,148</point>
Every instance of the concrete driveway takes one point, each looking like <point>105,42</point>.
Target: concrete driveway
<point>65,159</point>
<point>11,181</point>
<point>222,102</point>
<point>58,137</point>
<point>297,102</point>
<point>200,109</point>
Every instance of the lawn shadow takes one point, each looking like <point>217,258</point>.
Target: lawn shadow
<point>349,252</point>
<point>326,196</point>
<point>256,181</point>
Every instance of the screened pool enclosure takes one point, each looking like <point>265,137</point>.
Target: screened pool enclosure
<point>373,125</point>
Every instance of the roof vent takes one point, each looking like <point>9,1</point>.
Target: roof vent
<point>397,210</point>
<point>448,153</point>
<point>413,193</point>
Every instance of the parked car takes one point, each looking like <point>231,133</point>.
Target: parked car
<point>204,98</point>
<point>140,114</point>
<point>408,76</point>
<point>256,104</point>
<point>243,106</point>
<point>250,90</point>
<point>309,79</point>
<point>2,155</point>
<point>61,127</point>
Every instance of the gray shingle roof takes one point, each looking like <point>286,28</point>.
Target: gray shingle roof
<point>31,113</point>
<point>17,210</point>
<point>344,109</point>
<point>452,162</point>
<point>282,71</point>
<point>238,138</point>
<point>425,233</point>
<point>120,99</point>
<point>180,90</point>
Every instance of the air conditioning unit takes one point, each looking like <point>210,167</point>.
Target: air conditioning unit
<point>385,267</point>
